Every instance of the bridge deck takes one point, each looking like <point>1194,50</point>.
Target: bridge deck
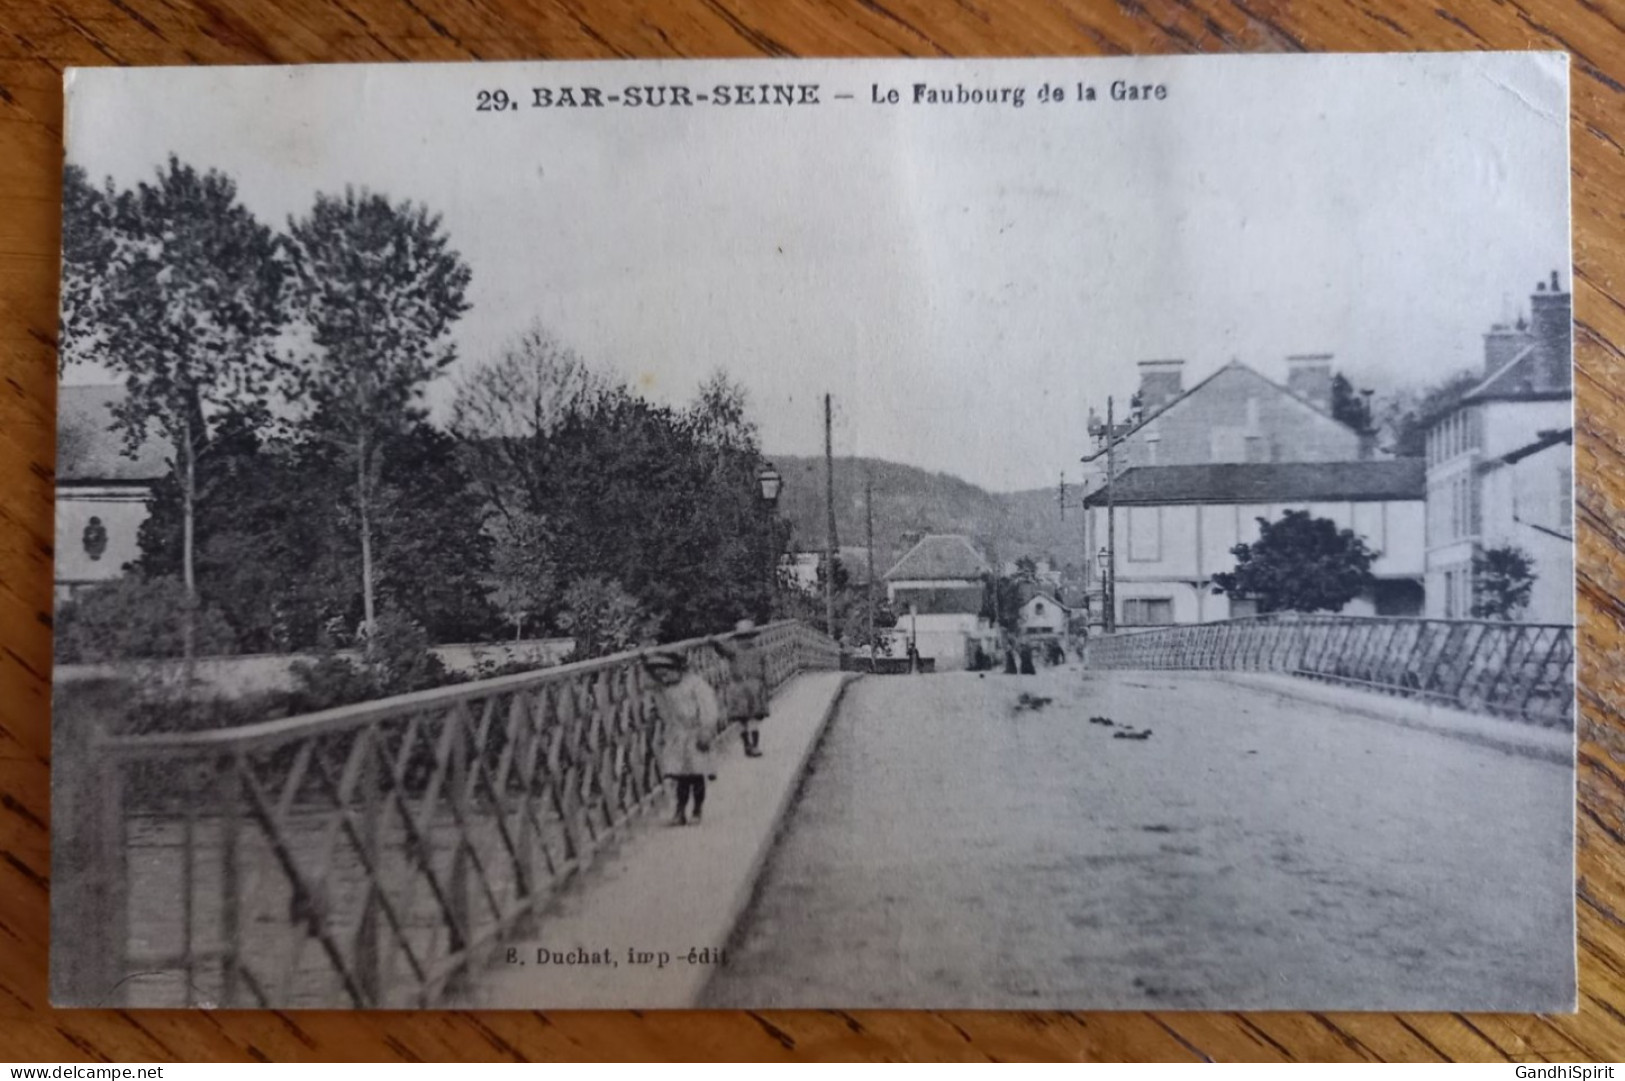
<point>1255,851</point>
<point>668,890</point>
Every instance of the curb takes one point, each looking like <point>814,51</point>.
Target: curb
<point>746,892</point>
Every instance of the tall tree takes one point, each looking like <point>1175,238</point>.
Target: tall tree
<point>1299,563</point>
<point>276,539</point>
<point>378,287</point>
<point>187,308</point>
<point>506,410</point>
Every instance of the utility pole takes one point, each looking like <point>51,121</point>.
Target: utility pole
<point>1109,584</point>
<point>869,540</point>
<point>829,525</point>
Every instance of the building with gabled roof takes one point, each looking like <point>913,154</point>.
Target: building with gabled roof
<point>1195,470</point>
<point>938,557</point>
<point>102,487</point>
<point>1500,468</point>
<point>1043,614</point>
<point>1235,415</point>
<point>936,588</point>
<point>1176,527</point>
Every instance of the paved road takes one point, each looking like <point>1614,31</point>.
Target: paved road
<point>948,849</point>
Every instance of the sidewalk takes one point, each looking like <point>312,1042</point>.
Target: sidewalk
<point>665,892</point>
<point>1486,730</point>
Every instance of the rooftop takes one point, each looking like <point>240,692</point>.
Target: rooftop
<point>1124,430</point>
<point>939,557</point>
<point>1269,482</point>
<point>1531,375</point>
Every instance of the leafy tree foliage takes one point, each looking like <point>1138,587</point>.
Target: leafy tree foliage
<point>1407,416</point>
<point>660,502</point>
<point>1503,579</point>
<point>1299,563</point>
<point>851,607</point>
<point>277,541</point>
<point>177,287</point>
<point>1353,409</point>
<point>90,244</point>
<point>134,618</point>
<point>378,287</point>
<point>1001,602</point>
<point>399,661</point>
<point>523,580</point>
<point>604,618</point>
<point>507,411</point>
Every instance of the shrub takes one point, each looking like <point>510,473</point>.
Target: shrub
<point>1502,581</point>
<point>397,660</point>
<point>136,619</point>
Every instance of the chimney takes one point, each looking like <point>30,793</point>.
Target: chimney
<point>1161,381</point>
<point>1501,344</point>
<point>1551,326</point>
<point>1309,376</point>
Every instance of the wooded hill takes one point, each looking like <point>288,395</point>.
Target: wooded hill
<point>908,500</point>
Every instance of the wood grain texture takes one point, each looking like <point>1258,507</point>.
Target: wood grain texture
<point>38,39</point>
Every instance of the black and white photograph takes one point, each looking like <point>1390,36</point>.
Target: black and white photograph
<point>962,534</point>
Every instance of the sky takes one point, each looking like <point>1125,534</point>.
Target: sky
<point>965,280</point>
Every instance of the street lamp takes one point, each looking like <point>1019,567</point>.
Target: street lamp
<point>771,481</point>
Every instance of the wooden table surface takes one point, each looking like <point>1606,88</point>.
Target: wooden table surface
<point>38,39</point>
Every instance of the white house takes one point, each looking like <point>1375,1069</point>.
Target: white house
<point>1176,526</point>
<point>1043,614</point>
<point>101,492</point>
<point>1500,470</point>
<point>936,590</point>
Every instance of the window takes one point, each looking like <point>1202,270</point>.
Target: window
<point>1145,534</point>
<point>1148,611</point>
<point>1038,608</point>
<point>1258,449</point>
<point>1458,506</point>
<point>1458,592</point>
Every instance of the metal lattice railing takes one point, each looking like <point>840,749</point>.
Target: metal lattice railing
<point>375,853</point>
<point>1519,670</point>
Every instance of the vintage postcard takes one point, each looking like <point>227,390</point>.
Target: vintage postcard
<point>958,534</point>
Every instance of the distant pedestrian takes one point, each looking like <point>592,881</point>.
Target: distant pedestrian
<point>689,714</point>
<point>747,691</point>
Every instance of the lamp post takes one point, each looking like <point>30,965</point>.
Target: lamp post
<point>770,481</point>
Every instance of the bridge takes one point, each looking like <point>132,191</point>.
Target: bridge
<point>1269,812</point>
